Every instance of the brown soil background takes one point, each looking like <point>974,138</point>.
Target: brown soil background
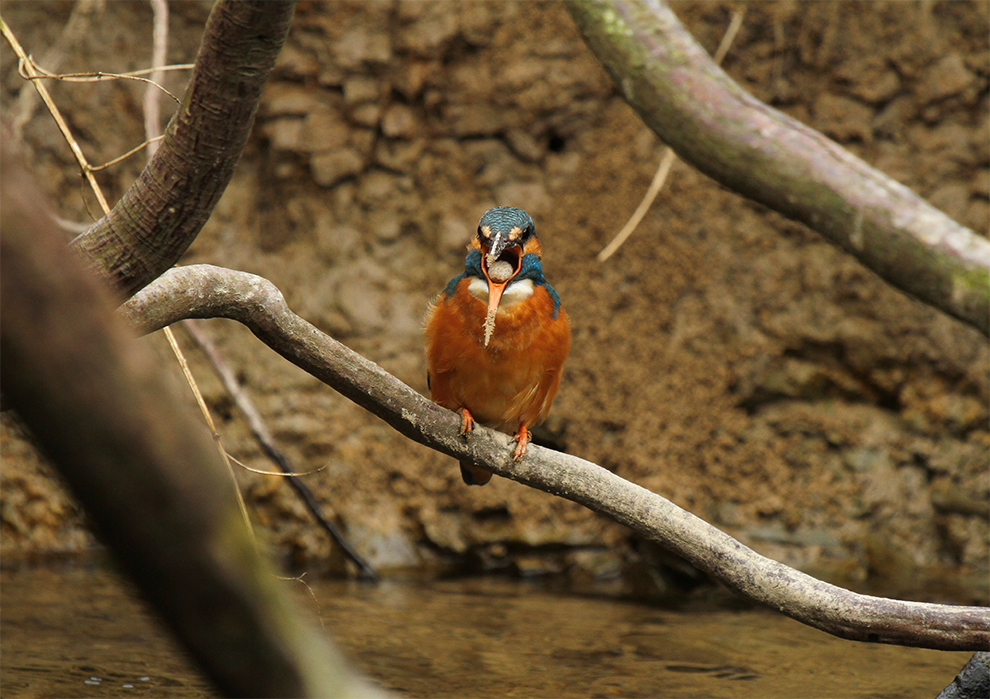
<point>725,358</point>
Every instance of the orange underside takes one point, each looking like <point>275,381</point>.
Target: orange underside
<point>513,380</point>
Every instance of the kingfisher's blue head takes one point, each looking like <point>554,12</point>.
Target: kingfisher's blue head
<point>504,228</point>
<point>506,237</point>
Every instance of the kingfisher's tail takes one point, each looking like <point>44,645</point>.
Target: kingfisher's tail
<point>473,475</point>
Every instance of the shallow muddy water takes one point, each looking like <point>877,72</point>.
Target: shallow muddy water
<point>81,632</point>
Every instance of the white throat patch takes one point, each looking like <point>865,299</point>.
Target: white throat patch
<point>515,292</point>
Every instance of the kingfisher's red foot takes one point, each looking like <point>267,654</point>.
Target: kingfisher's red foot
<point>467,423</point>
<point>522,438</point>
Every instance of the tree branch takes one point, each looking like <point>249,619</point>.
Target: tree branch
<point>972,682</point>
<point>163,211</point>
<point>767,156</point>
<point>263,436</point>
<point>205,291</point>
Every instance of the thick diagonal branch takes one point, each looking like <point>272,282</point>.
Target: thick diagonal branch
<point>204,291</point>
<point>142,467</point>
<point>163,211</point>
<point>765,155</point>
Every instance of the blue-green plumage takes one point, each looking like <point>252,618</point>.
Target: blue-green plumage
<point>531,268</point>
<point>505,218</point>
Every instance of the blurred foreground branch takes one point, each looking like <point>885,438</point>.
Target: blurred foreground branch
<point>205,291</point>
<point>767,156</point>
<point>972,682</point>
<point>140,464</point>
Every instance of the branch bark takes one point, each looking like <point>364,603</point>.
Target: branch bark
<point>972,682</point>
<point>205,291</point>
<point>142,466</point>
<point>164,210</point>
<point>767,156</point>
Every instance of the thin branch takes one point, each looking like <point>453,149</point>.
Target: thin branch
<point>46,97</point>
<point>96,76</point>
<point>159,54</point>
<point>150,142</point>
<point>214,433</point>
<point>719,128</point>
<point>205,291</point>
<point>264,437</point>
<point>666,163</point>
<point>77,27</point>
<point>30,70</point>
<point>277,474</point>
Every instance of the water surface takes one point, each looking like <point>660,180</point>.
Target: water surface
<point>81,632</point>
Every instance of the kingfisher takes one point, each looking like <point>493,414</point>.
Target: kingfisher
<point>497,336</point>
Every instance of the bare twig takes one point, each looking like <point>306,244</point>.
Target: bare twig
<point>666,163</point>
<point>204,291</point>
<point>150,142</point>
<point>719,128</point>
<point>96,76</point>
<point>75,28</point>
<point>214,433</point>
<point>277,474</point>
<point>56,114</point>
<point>316,601</point>
<point>264,437</point>
<point>667,158</point>
<point>30,70</point>
<point>159,55</point>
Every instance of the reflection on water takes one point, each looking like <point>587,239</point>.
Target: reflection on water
<point>80,632</point>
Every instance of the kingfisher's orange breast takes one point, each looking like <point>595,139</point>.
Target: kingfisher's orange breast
<point>513,380</point>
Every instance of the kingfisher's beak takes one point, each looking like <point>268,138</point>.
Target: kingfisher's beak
<point>500,265</point>
<point>496,248</point>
